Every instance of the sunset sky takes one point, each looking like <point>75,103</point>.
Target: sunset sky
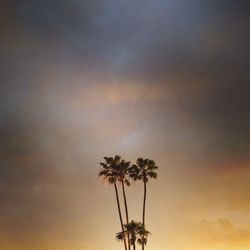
<point>162,79</point>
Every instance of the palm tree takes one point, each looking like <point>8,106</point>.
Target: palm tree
<point>115,170</point>
<point>136,232</point>
<point>124,166</point>
<point>143,170</point>
<point>110,172</point>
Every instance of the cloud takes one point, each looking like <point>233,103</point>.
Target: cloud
<point>223,233</point>
<point>116,93</point>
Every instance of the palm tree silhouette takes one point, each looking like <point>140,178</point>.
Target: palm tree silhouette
<point>115,170</point>
<point>143,170</point>
<point>136,232</point>
<point>124,166</point>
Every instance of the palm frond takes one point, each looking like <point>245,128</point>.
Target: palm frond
<point>152,174</point>
<point>103,172</point>
<point>127,182</point>
<point>119,236</point>
<point>111,180</point>
<point>117,158</point>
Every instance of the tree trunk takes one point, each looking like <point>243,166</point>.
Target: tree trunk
<point>126,210</point>
<point>134,246</point>
<point>120,215</point>
<point>144,208</point>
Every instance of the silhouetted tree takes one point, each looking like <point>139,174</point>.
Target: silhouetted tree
<point>124,166</point>
<point>111,171</point>
<point>116,170</point>
<point>136,232</point>
<point>143,170</point>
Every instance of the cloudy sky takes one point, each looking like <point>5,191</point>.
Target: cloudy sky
<point>163,79</point>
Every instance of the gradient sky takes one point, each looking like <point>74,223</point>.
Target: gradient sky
<point>163,79</point>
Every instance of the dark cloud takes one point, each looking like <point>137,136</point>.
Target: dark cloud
<point>184,45</point>
<point>225,112</point>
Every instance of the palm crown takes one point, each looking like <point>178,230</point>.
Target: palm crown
<point>137,233</point>
<point>114,169</point>
<point>143,170</point>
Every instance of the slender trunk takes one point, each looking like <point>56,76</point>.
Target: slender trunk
<point>133,240</point>
<point>120,215</point>
<point>144,208</point>
<point>134,246</point>
<point>126,210</point>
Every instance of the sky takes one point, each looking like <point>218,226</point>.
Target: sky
<point>166,80</point>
